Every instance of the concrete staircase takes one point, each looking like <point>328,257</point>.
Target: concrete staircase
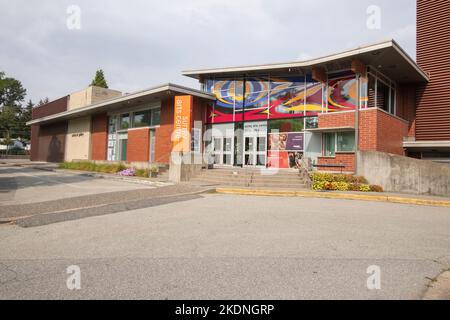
<point>254,178</point>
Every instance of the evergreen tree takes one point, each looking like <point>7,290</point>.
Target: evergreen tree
<point>99,80</point>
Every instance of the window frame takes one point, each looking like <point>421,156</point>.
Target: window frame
<point>336,148</point>
<point>392,87</point>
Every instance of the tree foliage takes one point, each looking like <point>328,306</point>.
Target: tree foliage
<point>99,80</point>
<point>13,116</point>
<point>12,93</point>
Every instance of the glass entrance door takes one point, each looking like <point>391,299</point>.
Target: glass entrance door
<point>255,150</point>
<point>223,151</point>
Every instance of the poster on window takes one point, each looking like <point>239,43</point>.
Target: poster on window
<point>286,150</point>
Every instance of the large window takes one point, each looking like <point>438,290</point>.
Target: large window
<point>329,144</point>
<point>381,92</point>
<point>124,121</point>
<point>338,142</point>
<point>142,119</point>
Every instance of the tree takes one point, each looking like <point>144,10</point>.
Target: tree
<point>22,130</point>
<point>99,80</point>
<point>8,121</point>
<point>12,93</point>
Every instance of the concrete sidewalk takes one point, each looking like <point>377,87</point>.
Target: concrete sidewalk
<point>379,197</point>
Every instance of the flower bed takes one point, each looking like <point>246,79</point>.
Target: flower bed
<point>119,169</point>
<point>341,182</point>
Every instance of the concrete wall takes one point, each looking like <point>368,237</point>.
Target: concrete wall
<point>78,139</point>
<point>91,95</point>
<point>184,167</point>
<point>401,174</point>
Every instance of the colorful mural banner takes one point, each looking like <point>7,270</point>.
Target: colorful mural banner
<point>282,98</point>
<point>182,124</point>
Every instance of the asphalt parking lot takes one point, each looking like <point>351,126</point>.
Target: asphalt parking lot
<point>232,247</point>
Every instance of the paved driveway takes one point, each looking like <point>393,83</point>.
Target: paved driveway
<point>20,185</point>
<point>232,247</point>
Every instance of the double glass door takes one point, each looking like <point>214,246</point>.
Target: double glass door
<point>223,151</point>
<point>255,150</point>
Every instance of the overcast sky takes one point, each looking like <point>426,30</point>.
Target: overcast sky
<point>140,44</point>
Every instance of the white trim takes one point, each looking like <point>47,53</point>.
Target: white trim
<point>139,94</point>
<point>426,144</point>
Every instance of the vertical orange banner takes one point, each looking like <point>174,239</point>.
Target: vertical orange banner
<point>182,124</point>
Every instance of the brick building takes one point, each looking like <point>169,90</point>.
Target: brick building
<point>372,98</point>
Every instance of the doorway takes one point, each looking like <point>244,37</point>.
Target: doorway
<point>223,151</point>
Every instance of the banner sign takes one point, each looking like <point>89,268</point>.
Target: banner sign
<point>286,149</point>
<point>182,124</point>
<point>291,142</point>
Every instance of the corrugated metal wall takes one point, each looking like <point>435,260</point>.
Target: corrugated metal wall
<point>433,56</point>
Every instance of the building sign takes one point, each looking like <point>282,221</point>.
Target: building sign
<point>291,142</point>
<point>286,149</point>
<point>182,124</point>
<point>255,127</point>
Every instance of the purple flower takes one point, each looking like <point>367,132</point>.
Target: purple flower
<point>129,172</point>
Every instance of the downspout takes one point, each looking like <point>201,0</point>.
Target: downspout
<point>358,105</point>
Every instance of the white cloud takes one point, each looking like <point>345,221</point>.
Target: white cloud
<point>143,43</point>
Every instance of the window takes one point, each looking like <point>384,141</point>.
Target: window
<point>124,121</point>
<point>345,142</point>
<point>329,144</point>
<point>312,122</point>
<point>141,119</point>
<point>381,92</point>
<point>338,142</point>
<point>156,117</point>
<point>286,125</point>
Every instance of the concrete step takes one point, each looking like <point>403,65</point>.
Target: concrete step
<point>276,183</point>
<point>249,174</point>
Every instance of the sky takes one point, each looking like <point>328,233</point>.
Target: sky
<point>54,50</point>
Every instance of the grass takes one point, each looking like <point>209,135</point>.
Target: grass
<point>93,167</point>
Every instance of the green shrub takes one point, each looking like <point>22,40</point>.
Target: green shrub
<point>318,185</point>
<point>93,167</point>
<point>375,188</point>
<point>353,187</point>
<point>364,188</point>
<point>341,186</point>
<point>143,173</point>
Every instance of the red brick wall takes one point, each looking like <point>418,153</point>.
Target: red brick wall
<point>163,134</point>
<point>378,131</point>
<point>368,130</point>
<point>99,136</point>
<point>51,108</point>
<point>346,159</point>
<point>390,133</point>
<point>51,144</point>
<point>333,120</point>
<point>138,145</point>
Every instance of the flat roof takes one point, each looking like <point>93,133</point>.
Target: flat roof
<point>115,103</point>
<point>387,56</point>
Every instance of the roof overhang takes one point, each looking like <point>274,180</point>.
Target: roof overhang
<point>427,145</point>
<point>334,129</point>
<point>388,57</point>
<point>140,97</point>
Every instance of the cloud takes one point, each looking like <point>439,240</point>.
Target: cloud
<point>140,43</point>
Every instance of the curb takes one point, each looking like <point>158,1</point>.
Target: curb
<point>97,175</point>
<point>330,195</point>
<point>439,289</point>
